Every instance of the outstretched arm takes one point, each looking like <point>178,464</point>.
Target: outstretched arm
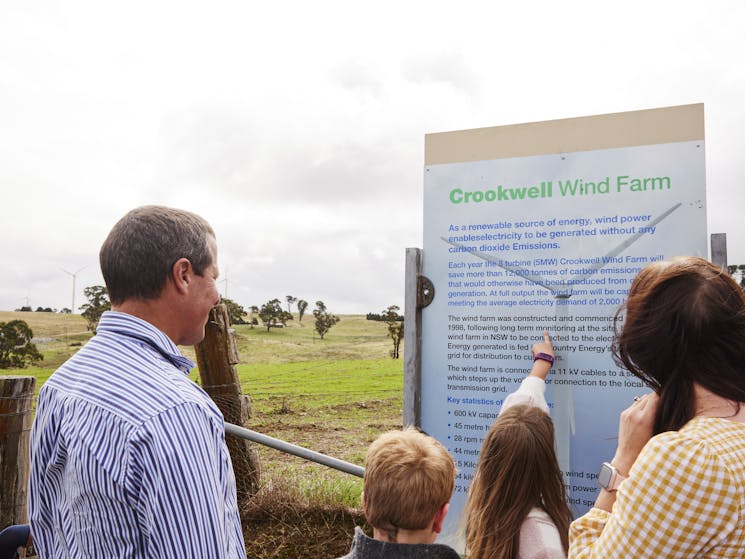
<point>531,391</point>
<point>543,357</point>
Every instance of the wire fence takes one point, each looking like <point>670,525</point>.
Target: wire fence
<point>290,397</point>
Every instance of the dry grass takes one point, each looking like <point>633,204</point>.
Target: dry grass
<point>48,324</point>
<point>279,523</point>
<point>353,337</point>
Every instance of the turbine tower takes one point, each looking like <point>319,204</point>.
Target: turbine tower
<point>74,276</point>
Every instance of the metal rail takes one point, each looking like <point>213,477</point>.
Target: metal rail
<point>289,448</point>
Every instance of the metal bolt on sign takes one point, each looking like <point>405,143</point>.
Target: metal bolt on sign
<point>425,291</point>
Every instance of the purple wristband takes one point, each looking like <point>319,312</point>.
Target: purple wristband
<point>544,357</point>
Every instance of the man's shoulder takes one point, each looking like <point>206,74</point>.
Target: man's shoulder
<point>104,361</point>
<point>134,383</point>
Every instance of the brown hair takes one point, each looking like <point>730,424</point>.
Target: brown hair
<point>408,477</point>
<point>517,470</point>
<point>683,323</point>
<point>142,247</point>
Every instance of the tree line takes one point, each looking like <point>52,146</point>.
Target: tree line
<point>27,308</point>
<point>273,315</point>
<point>18,351</point>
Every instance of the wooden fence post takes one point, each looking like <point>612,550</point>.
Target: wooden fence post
<point>16,399</point>
<point>216,358</point>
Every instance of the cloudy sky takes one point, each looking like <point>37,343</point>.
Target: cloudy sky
<point>297,128</point>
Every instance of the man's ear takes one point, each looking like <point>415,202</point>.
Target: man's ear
<point>439,519</point>
<point>362,499</point>
<point>181,273</point>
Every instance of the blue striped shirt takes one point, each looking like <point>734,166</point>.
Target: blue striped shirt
<point>128,455</point>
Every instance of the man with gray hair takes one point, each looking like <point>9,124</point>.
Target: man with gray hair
<point>128,455</point>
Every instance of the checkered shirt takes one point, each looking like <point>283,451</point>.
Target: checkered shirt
<point>685,497</point>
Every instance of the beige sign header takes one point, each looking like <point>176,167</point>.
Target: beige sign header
<point>636,128</point>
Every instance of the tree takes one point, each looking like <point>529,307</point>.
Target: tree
<point>98,303</point>
<point>290,301</point>
<point>235,311</point>
<point>16,348</point>
<point>324,320</point>
<point>395,323</point>
<point>272,314</point>
<point>302,304</point>
<point>254,313</point>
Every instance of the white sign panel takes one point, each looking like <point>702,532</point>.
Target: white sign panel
<point>517,245</point>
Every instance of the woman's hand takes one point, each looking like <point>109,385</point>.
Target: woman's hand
<point>540,367</point>
<point>634,430</point>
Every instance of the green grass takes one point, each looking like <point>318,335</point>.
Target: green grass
<point>316,384</point>
<point>333,407</point>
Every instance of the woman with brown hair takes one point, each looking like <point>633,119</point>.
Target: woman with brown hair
<point>676,486</point>
<point>517,506</point>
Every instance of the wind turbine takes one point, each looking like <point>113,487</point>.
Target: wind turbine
<point>224,281</point>
<point>74,277</point>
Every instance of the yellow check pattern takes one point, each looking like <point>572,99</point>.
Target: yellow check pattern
<point>685,498</point>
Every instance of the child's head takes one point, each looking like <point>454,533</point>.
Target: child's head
<point>517,470</point>
<point>409,476</point>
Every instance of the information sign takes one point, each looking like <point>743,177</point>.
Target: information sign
<point>544,226</point>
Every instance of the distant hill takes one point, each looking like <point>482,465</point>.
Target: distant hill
<point>59,335</point>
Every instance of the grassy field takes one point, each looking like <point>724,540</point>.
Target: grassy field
<point>333,396</point>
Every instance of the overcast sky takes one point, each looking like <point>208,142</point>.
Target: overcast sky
<point>297,128</point>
